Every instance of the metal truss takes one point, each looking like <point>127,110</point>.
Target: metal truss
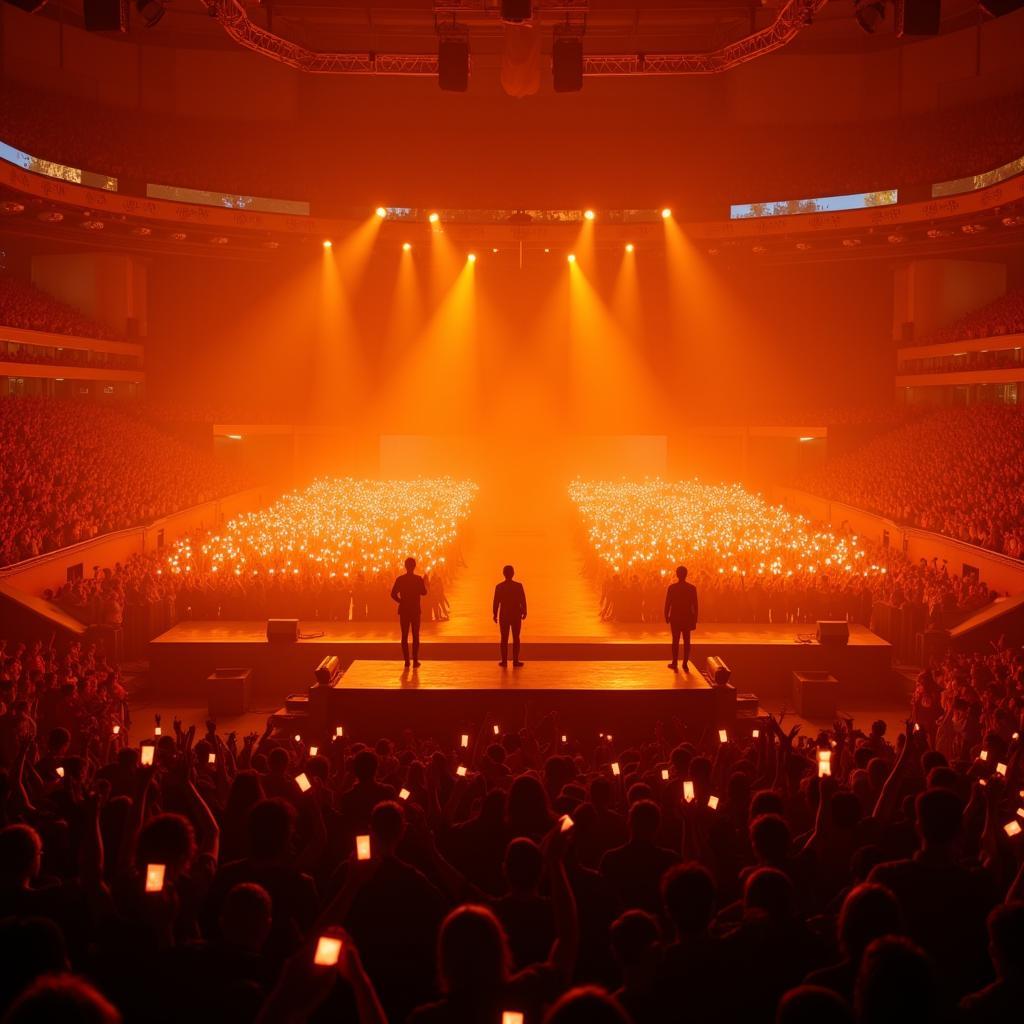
<point>792,19</point>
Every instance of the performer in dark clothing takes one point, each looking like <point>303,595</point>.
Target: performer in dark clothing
<point>681,615</point>
<point>509,611</point>
<point>406,593</point>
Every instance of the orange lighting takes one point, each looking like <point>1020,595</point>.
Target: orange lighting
<point>327,243</point>
<point>629,247</point>
<point>406,246</point>
<point>381,212</point>
<point>434,218</point>
<point>471,257</point>
<point>571,257</point>
<point>589,214</point>
<point>495,251</point>
<point>666,213</point>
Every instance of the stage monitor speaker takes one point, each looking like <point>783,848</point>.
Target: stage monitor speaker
<point>453,65</point>
<point>833,631</point>
<point>104,16</point>
<point>918,17</point>
<point>567,63</point>
<point>997,8</point>
<point>282,630</point>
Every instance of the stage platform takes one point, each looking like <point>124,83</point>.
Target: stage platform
<point>451,695</point>
<point>762,657</point>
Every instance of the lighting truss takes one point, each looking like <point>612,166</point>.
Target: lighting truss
<point>792,18</point>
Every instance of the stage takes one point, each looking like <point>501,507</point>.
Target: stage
<point>762,657</point>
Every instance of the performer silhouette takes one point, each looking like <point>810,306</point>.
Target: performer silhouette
<point>509,611</point>
<point>406,593</point>
<point>681,615</point>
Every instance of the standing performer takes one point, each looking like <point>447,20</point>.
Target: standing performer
<point>509,611</point>
<point>406,593</point>
<point>681,615</point>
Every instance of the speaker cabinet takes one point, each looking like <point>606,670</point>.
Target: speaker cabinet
<point>282,630</point>
<point>918,17</point>
<point>453,65</point>
<point>104,16</point>
<point>567,63</point>
<point>833,632</point>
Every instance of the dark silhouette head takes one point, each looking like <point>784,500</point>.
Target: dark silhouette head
<point>681,573</point>
<point>508,572</point>
<point>939,818</point>
<point>896,983</point>
<point>589,1005</point>
<point>688,895</point>
<point>869,912</point>
<point>472,951</point>
<point>61,997</point>
<point>410,564</point>
<point>812,1004</point>
<point>1006,939</point>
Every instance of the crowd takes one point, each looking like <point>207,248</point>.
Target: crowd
<point>958,472</point>
<point>1003,316</point>
<point>751,561</point>
<point>13,352</point>
<point>24,305</point>
<point>498,874</point>
<point>70,471</point>
<point>234,158</point>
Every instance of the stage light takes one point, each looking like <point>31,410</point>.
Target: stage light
<point>629,247</point>
<point>434,218</point>
<point>381,212</point>
<point>571,257</point>
<point>666,213</point>
<point>327,243</point>
<point>869,15</point>
<point>494,252</point>
<point>151,11</point>
<point>406,246</point>
<point>471,257</point>
<point>589,214</point>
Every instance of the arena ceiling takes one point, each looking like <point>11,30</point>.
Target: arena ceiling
<point>609,26</point>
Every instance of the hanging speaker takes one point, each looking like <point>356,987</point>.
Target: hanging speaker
<point>104,16</point>
<point>516,10</point>
<point>567,63</point>
<point>918,18</point>
<point>997,8</point>
<point>453,65</point>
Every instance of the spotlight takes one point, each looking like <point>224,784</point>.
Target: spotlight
<point>327,243</point>
<point>629,247</point>
<point>589,214</point>
<point>666,213</point>
<point>151,11</point>
<point>381,212</point>
<point>516,11</point>
<point>494,252</point>
<point>571,257</point>
<point>406,246</point>
<point>434,218</point>
<point>869,15</point>
<point>471,257</point>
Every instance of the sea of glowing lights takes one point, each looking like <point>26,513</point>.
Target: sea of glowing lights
<point>655,526</point>
<point>336,527</point>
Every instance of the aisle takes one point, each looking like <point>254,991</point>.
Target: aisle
<point>534,532</point>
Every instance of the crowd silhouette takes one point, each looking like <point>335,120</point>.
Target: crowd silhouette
<point>24,305</point>
<point>660,875</point>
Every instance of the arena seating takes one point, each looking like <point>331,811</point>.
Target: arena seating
<point>958,472</point>
<point>25,306</point>
<point>70,471</point>
<point>1003,316</point>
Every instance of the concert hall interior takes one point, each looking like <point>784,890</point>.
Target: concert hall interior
<point>511,511</point>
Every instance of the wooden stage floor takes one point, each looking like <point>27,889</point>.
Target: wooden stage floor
<point>762,657</point>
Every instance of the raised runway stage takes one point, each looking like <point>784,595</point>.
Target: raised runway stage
<point>762,657</point>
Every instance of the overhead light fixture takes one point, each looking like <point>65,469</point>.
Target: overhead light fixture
<point>666,213</point>
<point>151,11</point>
<point>434,218</point>
<point>571,257</point>
<point>589,214</point>
<point>629,247</point>
<point>381,212</point>
<point>471,258</point>
<point>327,243</point>
<point>869,14</point>
<point>406,246</point>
